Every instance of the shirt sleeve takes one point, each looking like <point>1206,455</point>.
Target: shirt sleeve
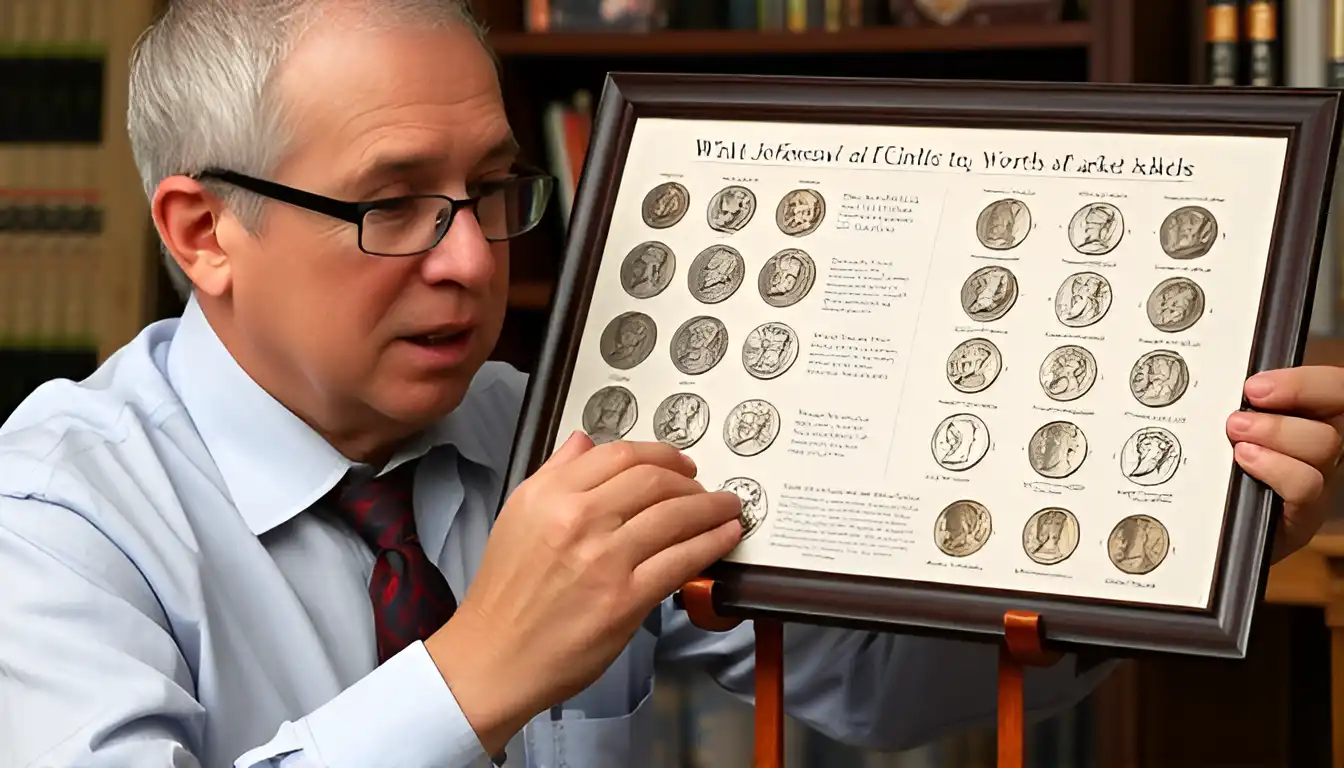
<point>884,691</point>
<point>90,673</point>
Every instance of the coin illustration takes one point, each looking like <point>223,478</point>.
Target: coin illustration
<point>1050,535</point>
<point>628,339</point>
<point>786,278</point>
<point>959,442</point>
<point>800,212</point>
<point>973,365</point>
<point>962,528</point>
<point>715,274</point>
<point>769,350</point>
<point>1096,229</point>
<point>681,420</point>
<point>730,209</point>
<point>609,414</point>
<point>988,294</point>
<point>1175,304</point>
<point>1082,299</point>
<point>1188,233</point>
<point>1003,224</point>
<point>1067,373</point>
<point>665,204</point>
<point>699,344</point>
<point>751,427</point>
<point>754,503</point>
<point>1150,456</point>
<point>647,269</point>
<point>1057,450</point>
<point>1138,544</point>
<point>1159,378</point>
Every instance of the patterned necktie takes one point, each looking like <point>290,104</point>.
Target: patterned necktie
<point>411,598</point>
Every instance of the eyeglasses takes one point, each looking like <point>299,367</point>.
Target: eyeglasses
<point>412,224</point>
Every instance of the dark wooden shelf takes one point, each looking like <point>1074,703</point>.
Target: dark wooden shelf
<point>1066,34</point>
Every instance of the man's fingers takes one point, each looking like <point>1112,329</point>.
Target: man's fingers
<point>640,487</point>
<point>1313,442</point>
<point>574,447</point>
<point>664,573</point>
<point>608,460</point>
<point>1295,481</point>
<point>1313,391</point>
<point>670,523</point>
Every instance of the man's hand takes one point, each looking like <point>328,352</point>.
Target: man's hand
<point>1294,447</point>
<point>581,553</point>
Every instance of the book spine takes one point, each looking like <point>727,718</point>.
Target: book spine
<point>1222,41</point>
<point>1262,42</point>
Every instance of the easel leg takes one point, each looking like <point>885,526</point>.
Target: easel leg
<point>769,694</point>
<point>697,599</point>
<point>1022,647</point>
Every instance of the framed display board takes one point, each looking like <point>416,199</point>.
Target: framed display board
<point>960,347</point>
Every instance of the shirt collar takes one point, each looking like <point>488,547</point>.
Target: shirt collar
<point>274,465</point>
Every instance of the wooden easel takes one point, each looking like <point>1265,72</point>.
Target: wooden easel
<point>1022,647</point>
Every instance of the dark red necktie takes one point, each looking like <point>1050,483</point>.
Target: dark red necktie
<point>411,598</point>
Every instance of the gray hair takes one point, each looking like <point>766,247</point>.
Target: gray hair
<point>200,87</point>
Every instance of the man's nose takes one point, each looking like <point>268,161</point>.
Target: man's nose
<point>464,256</point>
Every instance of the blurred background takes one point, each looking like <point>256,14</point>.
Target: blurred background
<point>80,275</point>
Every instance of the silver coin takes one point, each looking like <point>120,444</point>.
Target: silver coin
<point>988,294</point>
<point>1175,304</point>
<point>786,278</point>
<point>1188,233</point>
<point>1159,378</point>
<point>962,528</point>
<point>681,420</point>
<point>769,350</point>
<point>699,344</point>
<point>800,212</point>
<point>730,209</point>
<point>1067,373</point>
<point>628,339</point>
<point>755,506</point>
<point>715,274</point>
<point>1057,450</point>
<point>974,365</point>
<point>751,427</point>
<point>1003,224</point>
<point>1082,299</point>
<point>1150,456</point>
<point>665,204</point>
<point>959,442</point>
<point>648,269</point>
<point>1050,536</point>
<point>609,414</point>
<point>1138,544</point>
<point>1096,229</point>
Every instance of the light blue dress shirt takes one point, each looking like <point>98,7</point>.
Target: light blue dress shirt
<point>173,597</point>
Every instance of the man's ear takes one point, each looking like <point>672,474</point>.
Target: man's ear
<point>187,217</point>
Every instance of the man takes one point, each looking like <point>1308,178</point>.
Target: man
<point>201,567</point>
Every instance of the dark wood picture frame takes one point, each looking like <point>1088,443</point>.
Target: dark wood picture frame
<point>1308,118</point>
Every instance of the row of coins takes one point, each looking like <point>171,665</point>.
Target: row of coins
<point>1150,456</point>
<point>1157,379</point>
<point>1096,229</point>
<point>681,420</point>
<point>799,212</point>
<point>1083,299</point>
<point>698,345</point>
<point>1136,545</point>
<point>717,272</point>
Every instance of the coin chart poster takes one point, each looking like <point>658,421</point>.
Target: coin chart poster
<point>993,358</point>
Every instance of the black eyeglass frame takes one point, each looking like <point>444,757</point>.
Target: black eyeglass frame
<point>354,212</point>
